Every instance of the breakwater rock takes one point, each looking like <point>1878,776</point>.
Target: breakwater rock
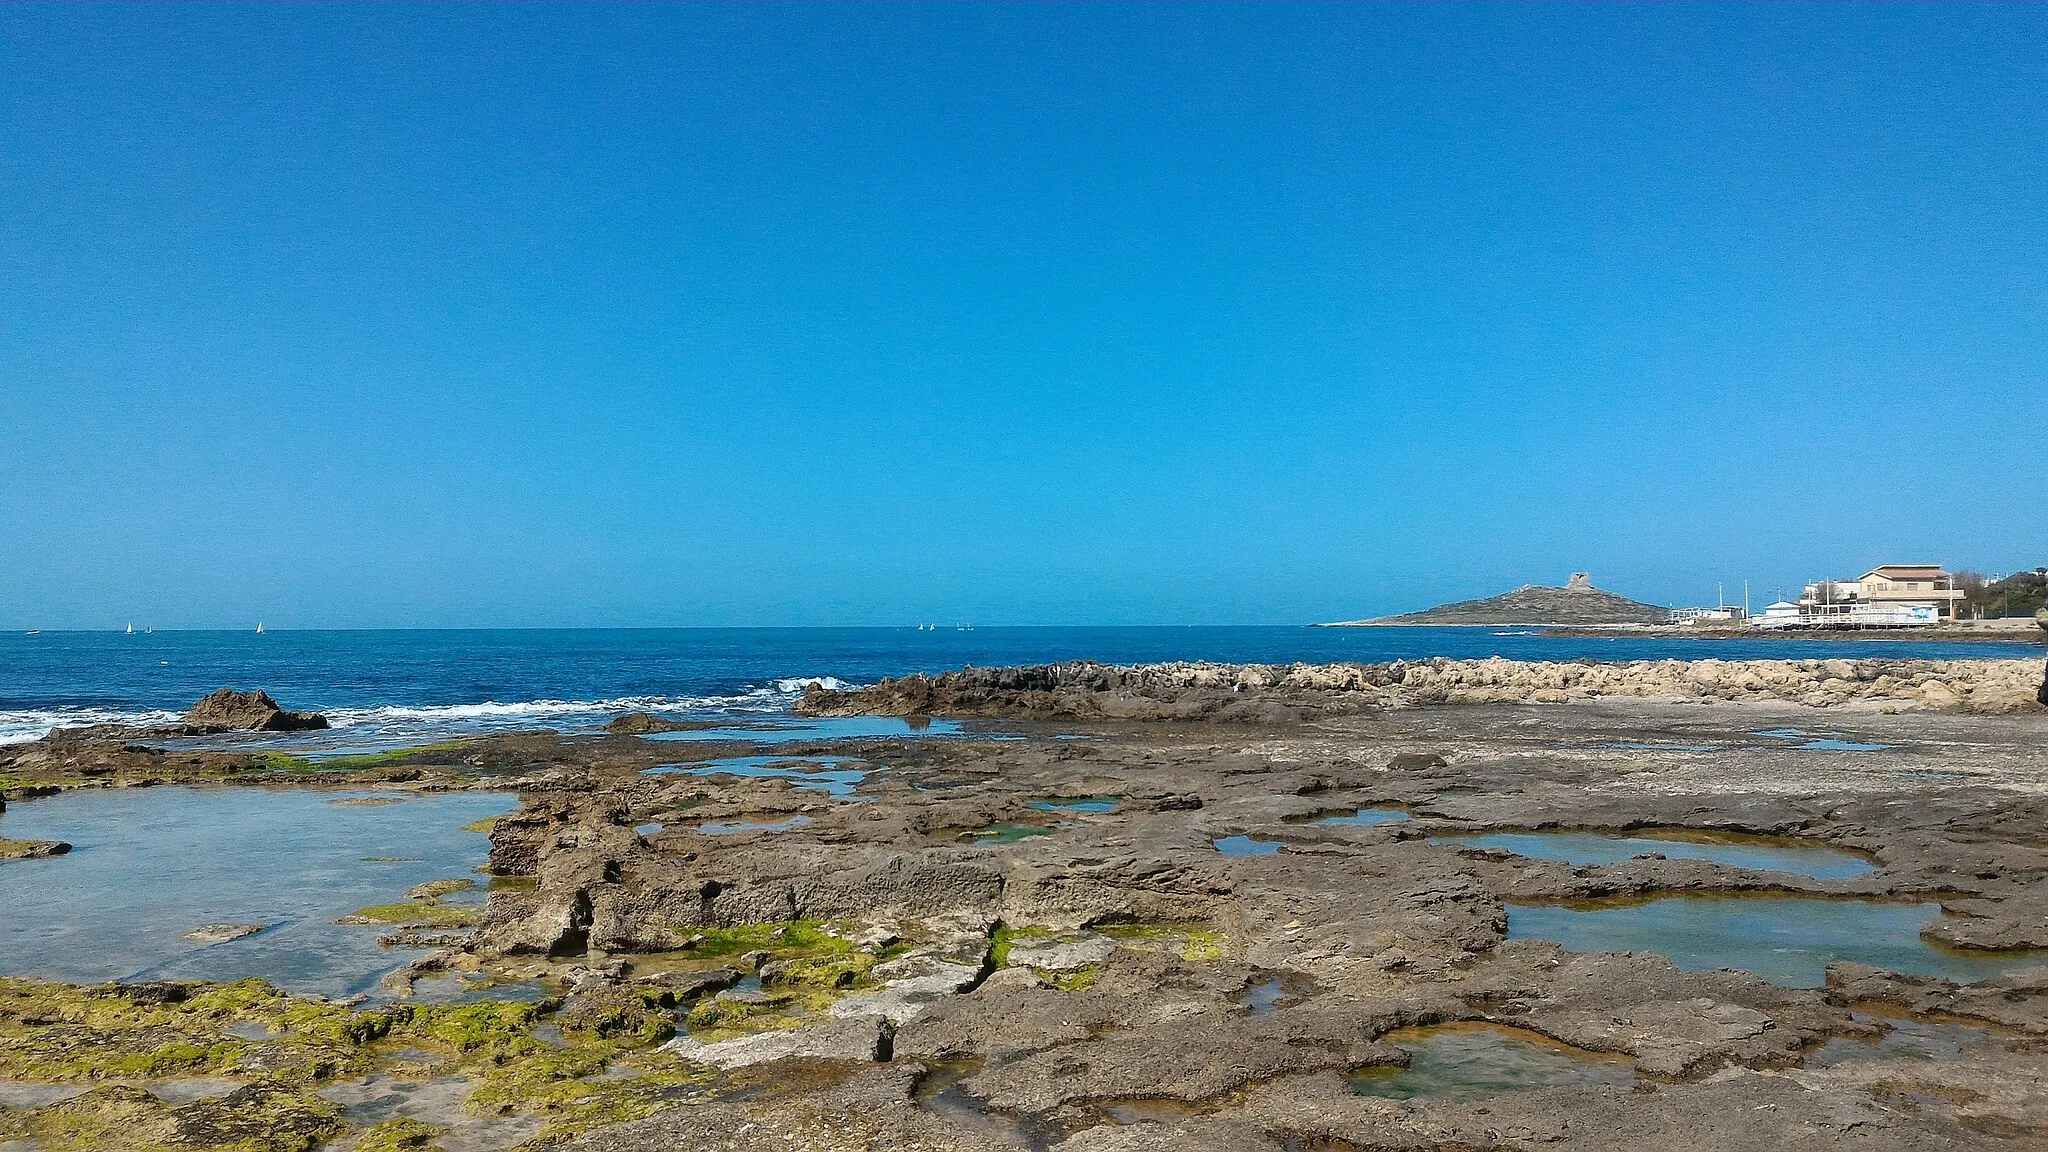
<point>230,711</point>
<point>1256,693</point>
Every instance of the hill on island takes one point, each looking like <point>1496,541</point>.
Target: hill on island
<point>1577,603</point>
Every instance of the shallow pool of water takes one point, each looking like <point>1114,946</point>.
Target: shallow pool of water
<point>830,728</point>
<point>1472,1061</point>
<point>735,827</point>
<point>1906,1038</point>
<point>1095,805</point>
<point>1004,834</point>
<point>149,865</point>
<point>1758,853</point>
<point>1788,941</point>
<point>1637,746</point>
<point>1245,846</point>
<point>1363,817</point>
<point>1811,743</point>
<point>814,772</point>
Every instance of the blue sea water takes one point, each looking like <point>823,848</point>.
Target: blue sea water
<point>393,686</point>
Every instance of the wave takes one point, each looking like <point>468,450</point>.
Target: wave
<point>798,684</point>
<point>494,711</point>
<point>20,725</point>
<point>24,724</point>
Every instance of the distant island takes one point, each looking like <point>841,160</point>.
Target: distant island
<point>1578,603</point>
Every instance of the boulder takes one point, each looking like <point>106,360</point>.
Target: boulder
<point>32,849</point>
<point>642,723</point>
<point>230,711</point>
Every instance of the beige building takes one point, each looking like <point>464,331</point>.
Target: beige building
<point>1904,585</point>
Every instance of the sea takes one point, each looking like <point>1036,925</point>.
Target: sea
<point>383,689</point>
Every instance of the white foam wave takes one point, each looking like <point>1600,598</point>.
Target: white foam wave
<point>20,726</point>
<point>494,712</point>
<point>489,715</point>
<point>796,685</point>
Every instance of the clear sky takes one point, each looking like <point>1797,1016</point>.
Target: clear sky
<point>773,314</point>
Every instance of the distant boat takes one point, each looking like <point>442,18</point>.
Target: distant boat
<point>35,631</point>
<point>259,627</point>
<point>131,627</point>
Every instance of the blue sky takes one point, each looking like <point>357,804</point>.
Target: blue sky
<point>776,314</point>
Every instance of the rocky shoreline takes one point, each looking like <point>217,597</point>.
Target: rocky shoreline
<point>1283,693</point>
<point>1175,907</point>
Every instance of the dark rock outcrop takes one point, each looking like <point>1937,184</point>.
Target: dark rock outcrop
<point>32,849</point>
<point>230,711</point>
<point>642,723</point>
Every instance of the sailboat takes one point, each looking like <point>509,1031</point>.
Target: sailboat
<point>131,627</point>
<point>259,627</point>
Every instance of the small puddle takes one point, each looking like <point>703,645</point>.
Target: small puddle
<point>1004,834</point>
<point>1148,1111</point>
<point>1626,746</point>
<point>151,865</point>
<point>1788,941</point>
<point>458,988</point>
<point>735,827</point>
<point>834,728</point>
<point>1812,743</point>
<point>1361,818</point>
<point>1094,805</point>
<point>1245,846</point>
<point>647,829</point>
<point>1905,1038</point>
<point>1473,1061</point>
<point>23,1095</point>
<point>1266,997</point>
<point>940,1093</point>
<point>1757,853</point>
<point>437,1101</point>
<point>814,772</point>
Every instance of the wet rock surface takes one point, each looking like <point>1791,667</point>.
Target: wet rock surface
<point>871,978</point>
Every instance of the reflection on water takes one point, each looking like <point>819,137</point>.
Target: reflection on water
<point>1905,1038</point>
<point>151,864</point>
<point>1786,940</point>
<point>1808,743</point>
<point>1004,834</point>
<point>1471,1061</point>
<point>735,827</point>
<point>813,772</point>
<point>1245,846</point>
<point>1364,817</point>
<point>1096,805</point>
<point>1759,853</point>
<point>1636,746</point>
<point>833,728</point>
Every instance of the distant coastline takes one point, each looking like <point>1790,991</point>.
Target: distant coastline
<point>2030,634</point>
<point>2013,631</point>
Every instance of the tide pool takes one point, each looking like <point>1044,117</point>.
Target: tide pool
<point>149,865</point>
<point>1788,941</point>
